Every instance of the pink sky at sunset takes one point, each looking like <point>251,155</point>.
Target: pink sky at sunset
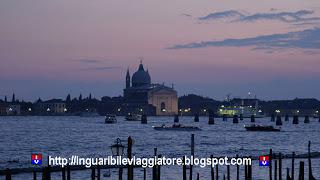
<point>52,48</point>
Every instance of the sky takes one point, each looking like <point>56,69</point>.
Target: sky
<point>271,48</point>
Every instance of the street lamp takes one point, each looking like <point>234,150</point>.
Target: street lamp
<point>117,149</point>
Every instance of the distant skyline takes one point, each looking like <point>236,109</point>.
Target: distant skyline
<point>49,49</point>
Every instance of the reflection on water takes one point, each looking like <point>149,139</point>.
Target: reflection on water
<point>90,137</point>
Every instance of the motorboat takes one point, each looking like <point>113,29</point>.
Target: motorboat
<point>176,127</point>
<point>133,117</point>
<point>261,128</point>
<point>110,119</point>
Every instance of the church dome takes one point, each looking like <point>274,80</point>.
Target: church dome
<point>141,77</point>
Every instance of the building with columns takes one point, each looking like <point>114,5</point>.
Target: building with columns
<point>142,96</point>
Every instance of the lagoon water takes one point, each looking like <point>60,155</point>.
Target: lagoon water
<point>90,137</point>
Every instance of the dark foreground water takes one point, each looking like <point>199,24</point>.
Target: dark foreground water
<point>90,137</point>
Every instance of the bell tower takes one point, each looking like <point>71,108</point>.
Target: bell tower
<point>128,79</point>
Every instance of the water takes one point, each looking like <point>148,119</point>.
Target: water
<point>90,137</point>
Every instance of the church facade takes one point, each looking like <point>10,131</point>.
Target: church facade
<point>141,96</point>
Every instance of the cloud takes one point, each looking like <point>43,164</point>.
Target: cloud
<point>287,17</point>
<point>308,39</point>
<point>187,15</point>
<point>102,68</point>
<point>222,15</point>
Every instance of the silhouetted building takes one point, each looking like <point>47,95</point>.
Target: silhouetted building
<point>53,106</point>
<point>9,109</point>
<point>140,95</point>
<point>13,109</point>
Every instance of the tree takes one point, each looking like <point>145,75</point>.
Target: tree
<point>68,99</point>
<point>80,97</point>
<point>90,96</point>
<point>13,98</point>
<point>5,99</point>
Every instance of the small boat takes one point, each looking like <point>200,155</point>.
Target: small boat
<point>110,119</point>
<point>176,127</point>
<point>261,128</point>
<point>133,117</point>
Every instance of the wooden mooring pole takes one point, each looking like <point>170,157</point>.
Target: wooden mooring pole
<point>270,164</point>
<point>212,170</point>
<point>309,162</point>
<point>246,172</point>
<point>8,174</point>
<point>159,169</point>
<point>280,166</point>
<point>129,153</point>
<point>154,168</point>
<point>250,172</point>
<point>63,174</point>
<point>292,165</point>
<point>35,175</point>
<point>98,172</point>
<point>120,173</point>
<point>93,173</point>
<point>68,172</point>
<point>192,154</point>
<point>217,172</point>
<point>184,169</point>
<point>228,172</point>
<point>275,169</point>
<point>238,169</point>
<point>301,170</point>
<point>288,175</point>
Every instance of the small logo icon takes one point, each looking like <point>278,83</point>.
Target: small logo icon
<point>36,159</point>
<point>263,160</point>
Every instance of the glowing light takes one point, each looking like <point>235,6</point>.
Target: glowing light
<point>48,109</point>
<point>65,110</point>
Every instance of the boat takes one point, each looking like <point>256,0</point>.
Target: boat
<point>110,119</point>
<point>176,127</point>
<point>261,128</point>
<point>242,107</point>
<point>133,117</point>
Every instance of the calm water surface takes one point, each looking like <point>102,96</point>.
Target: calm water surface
<point>90,137</point>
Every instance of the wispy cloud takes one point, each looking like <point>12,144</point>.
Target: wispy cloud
<point>223,15</point>
<point>102,68</point>
<point>187,15</point>
<point>308,39</point>
<point>284,16</point>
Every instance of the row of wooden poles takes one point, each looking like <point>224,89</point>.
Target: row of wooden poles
<point>278,167</point>
<point>236,118</point>
<point>156,170</point>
